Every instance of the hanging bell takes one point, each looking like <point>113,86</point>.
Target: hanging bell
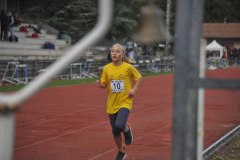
<point>151,26</point>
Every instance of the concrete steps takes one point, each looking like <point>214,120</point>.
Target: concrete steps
<point>17,28</point>
<point>23,45</point>
<point>41,36</point>
<point>30,41</point>
<point>25,38</point>
<point>30,54</point>
<point>11,45</point>
<point>30,51</point>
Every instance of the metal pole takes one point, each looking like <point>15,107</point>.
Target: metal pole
<point>7,121</point>
<point>187,52</point>
<point>10,102</point>
<point>168,15</point>
<point>201,102</point>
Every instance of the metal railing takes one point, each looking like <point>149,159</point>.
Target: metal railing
<point>188,83</point>
<point>11,102</point>
<point>221,142</point>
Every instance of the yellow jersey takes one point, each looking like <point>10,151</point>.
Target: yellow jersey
<point>119,81</point>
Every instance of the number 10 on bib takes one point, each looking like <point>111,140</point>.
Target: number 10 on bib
<point>117,86</point>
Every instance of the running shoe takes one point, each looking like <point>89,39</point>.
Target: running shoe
<point>121,155</point>
<point>128,136</point>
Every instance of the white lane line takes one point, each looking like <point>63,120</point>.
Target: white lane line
<point>102,154</point>
<point>53,118</point>
<point>70,132</point>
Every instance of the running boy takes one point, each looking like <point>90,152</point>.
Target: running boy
<point>118,76</point>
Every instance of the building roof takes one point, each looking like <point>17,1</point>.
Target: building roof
<point>221,30</point>
<point>214,45</point>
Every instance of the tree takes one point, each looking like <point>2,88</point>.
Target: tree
<point>125,19</point>
<point>220,11</point>
<point>77,17</point>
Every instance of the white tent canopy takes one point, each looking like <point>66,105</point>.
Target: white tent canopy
<point>215,49</point>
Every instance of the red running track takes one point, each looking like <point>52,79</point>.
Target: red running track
<point>70,123</point>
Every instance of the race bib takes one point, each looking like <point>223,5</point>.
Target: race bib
<point>117,86</point>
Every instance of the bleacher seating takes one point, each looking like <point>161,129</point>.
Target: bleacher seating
<point>30,50</point>
<point>28,43</point>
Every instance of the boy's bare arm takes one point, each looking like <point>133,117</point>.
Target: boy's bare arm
<point>135,88</point>
<point>100,85</point>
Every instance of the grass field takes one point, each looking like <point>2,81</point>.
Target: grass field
<point>11,88</point>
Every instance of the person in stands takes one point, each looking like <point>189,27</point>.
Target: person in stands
<point>10,26</point>
<point>4,26</point>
